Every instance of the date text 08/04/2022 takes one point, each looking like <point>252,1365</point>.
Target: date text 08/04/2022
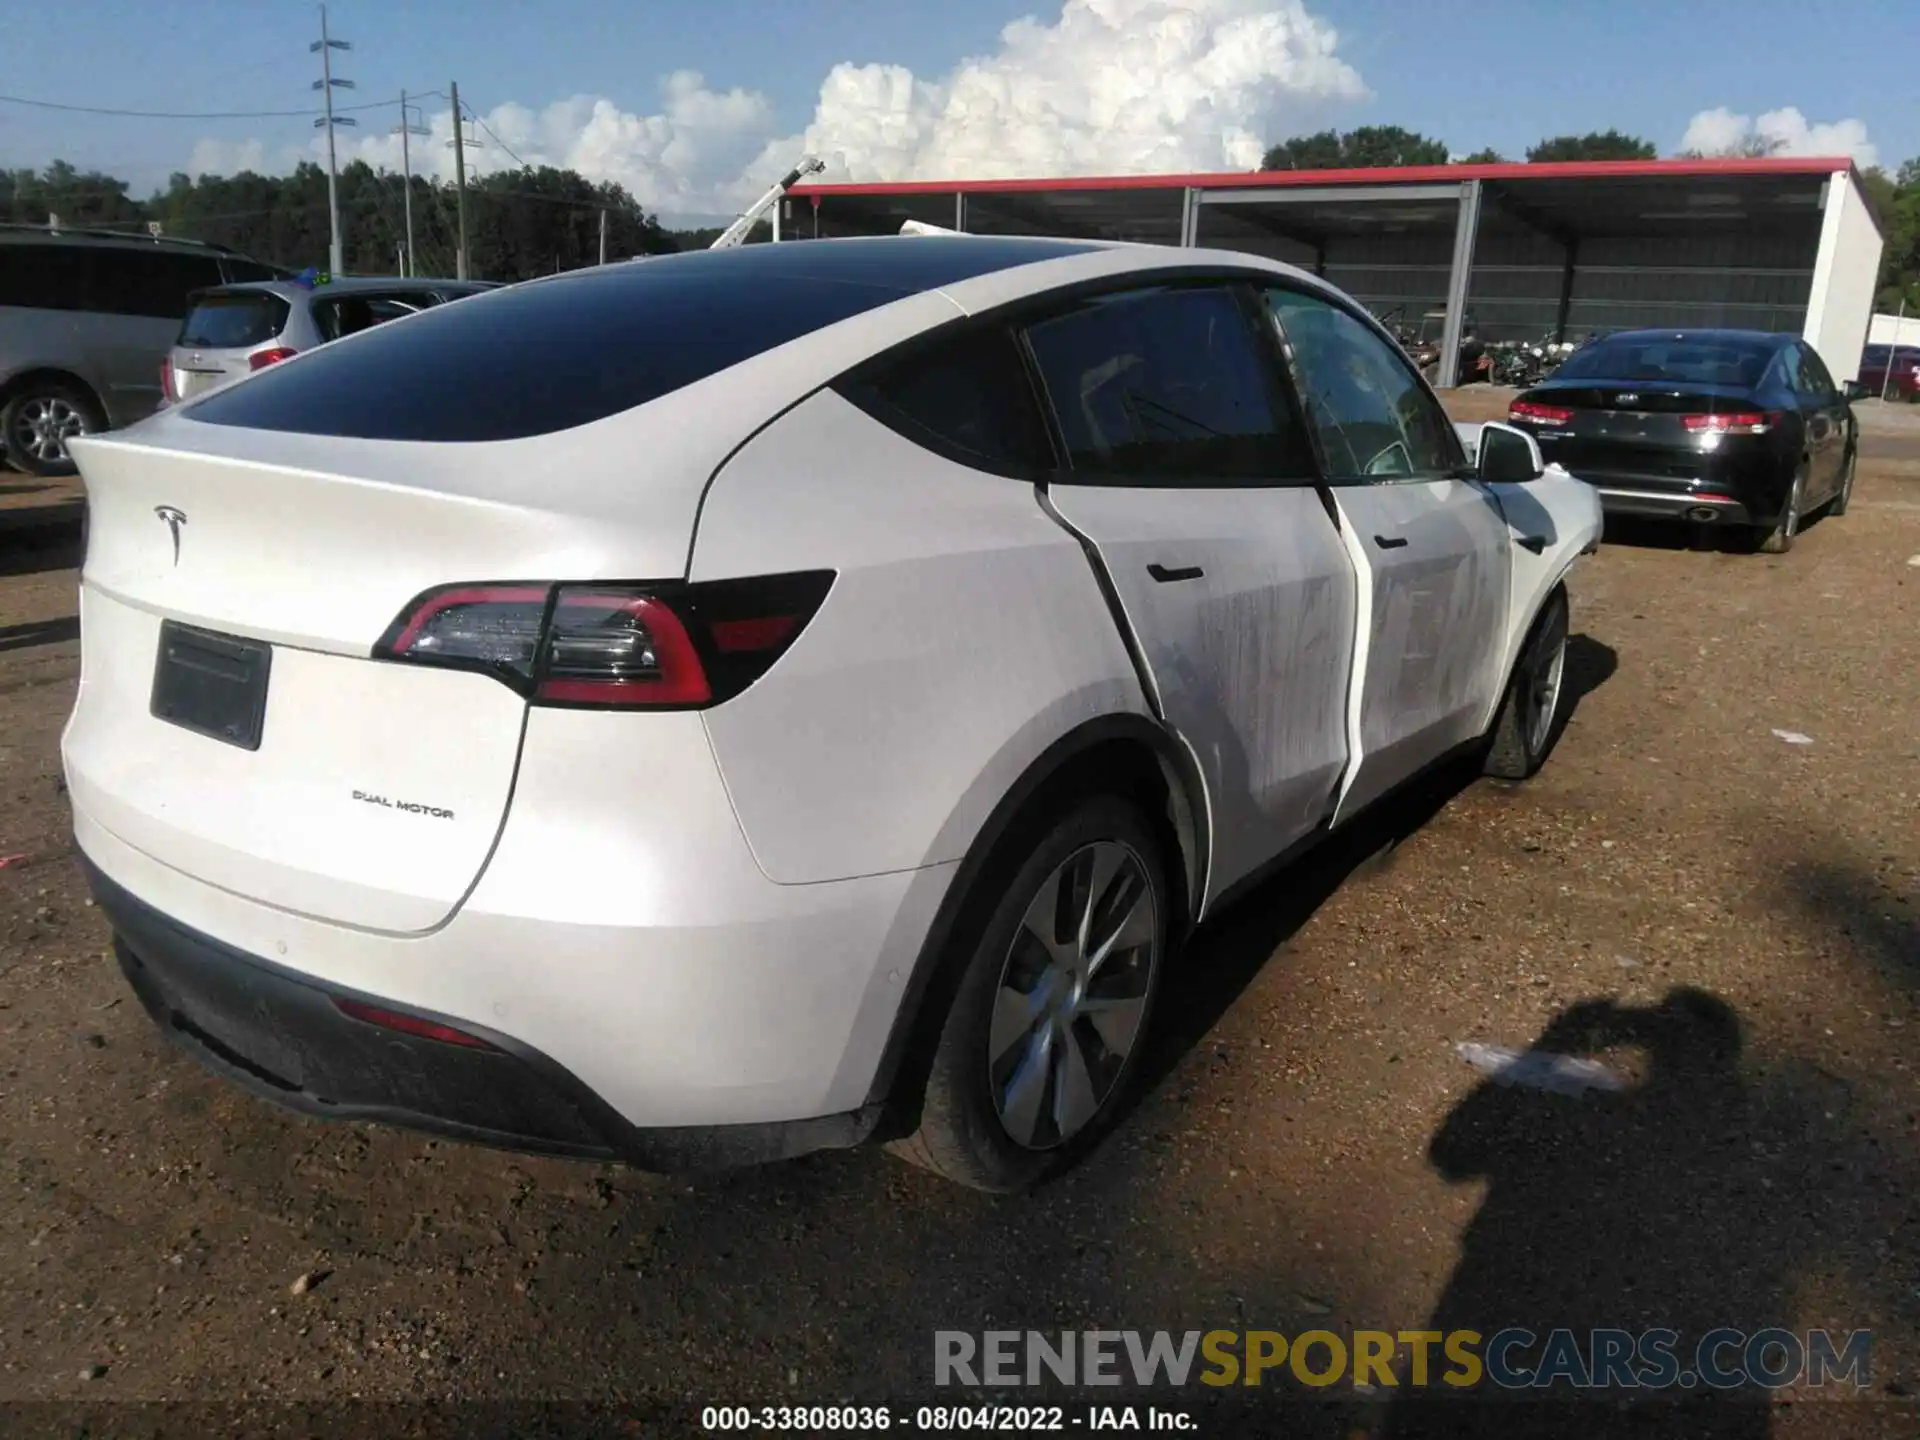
<point>940,1419</point>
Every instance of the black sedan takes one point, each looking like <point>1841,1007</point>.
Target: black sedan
<point>1734,428</point>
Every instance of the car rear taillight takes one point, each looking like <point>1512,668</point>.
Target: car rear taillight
<point>167,387</point>
<point>260,359</point>
<point>662,647</point>
<point>1738,422</point>
<point>407,1024</point>
<point>1539,414</point>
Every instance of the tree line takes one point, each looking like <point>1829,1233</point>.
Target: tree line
<point>538,219</point>
<point>520,223</point>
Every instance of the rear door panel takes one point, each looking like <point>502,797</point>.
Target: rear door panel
<point>1250,656</point>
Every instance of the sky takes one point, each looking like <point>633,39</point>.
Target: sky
<point>696,107</point>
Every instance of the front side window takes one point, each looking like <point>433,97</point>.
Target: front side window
<point>1168,386</point>
<point>1367,408</point>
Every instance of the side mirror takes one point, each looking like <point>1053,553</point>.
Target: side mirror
<point>1856,391</point>
<point>1508,456</point>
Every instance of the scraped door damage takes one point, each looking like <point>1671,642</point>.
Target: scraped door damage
<point>1434,561</point>
<point>1243,605</point>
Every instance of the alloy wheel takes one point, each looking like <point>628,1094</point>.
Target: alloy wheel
<point>1072,994</point>
<point>1544,670</point>
<point>43,425</point>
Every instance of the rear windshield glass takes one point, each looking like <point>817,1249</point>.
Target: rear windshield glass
<point>1702,360</point>
<point>538,358</point>
<point>234,322</point>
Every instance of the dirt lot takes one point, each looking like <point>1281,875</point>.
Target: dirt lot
<point>1310,1154</point>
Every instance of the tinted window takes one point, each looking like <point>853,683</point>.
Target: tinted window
<point>1372,416</point>
<point>149,282</point>
<point>545,356</point>
<point>1681,359</point>
<point>45,277</point>
<point>234,322</point>
<point>350,314</point>
<point>965,393</point>
<point>1814,376</point>
<point>1167,384</point>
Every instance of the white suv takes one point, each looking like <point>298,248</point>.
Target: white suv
<point>769,699</point>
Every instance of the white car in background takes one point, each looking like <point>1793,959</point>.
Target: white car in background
<point>769,699</point>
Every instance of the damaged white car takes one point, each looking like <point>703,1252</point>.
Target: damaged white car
<point>777,698</point>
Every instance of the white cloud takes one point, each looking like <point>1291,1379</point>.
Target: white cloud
<point>1109,87</point>
<point>227,157</point>
<point>1786,131</point>
<point>1112,87</point>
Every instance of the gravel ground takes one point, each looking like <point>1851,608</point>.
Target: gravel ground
<point>1730,918</point>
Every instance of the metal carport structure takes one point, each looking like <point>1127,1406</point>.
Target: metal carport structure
<point>1523,251</point>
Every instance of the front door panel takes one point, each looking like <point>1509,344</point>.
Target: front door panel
<point>1436,553</point>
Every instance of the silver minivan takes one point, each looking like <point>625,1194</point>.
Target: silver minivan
<point>86,317</point>
<point>233,330</point>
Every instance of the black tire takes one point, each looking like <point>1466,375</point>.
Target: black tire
<point>1779,540</point>
<point>1528,725</point>
<point>1838,504</point>
<point>962,1135</point>
<point>36,421</point>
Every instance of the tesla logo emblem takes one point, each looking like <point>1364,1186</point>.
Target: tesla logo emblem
<point>173,519</point>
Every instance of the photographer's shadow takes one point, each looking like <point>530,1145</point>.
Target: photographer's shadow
<point>1665,1205</point>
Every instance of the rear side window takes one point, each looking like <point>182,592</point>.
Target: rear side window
<point>45,277</point>
<point>234,322</point>
<point>965,394</point>
<point>1167,386</point>
<point>541,357</point>
<point>154,283</point>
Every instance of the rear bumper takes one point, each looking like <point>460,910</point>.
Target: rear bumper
<point>1622,495</point>
<point>280,1035</point>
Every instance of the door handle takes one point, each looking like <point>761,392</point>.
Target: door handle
<point>1535,543</point>
<point>1179,572</point>
<point>1390,542</point>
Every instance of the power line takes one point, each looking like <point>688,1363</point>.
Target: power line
<point>496,139</point>
<point>208,114</point>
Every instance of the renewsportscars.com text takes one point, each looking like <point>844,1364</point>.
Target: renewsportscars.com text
<point>1511,1359</point>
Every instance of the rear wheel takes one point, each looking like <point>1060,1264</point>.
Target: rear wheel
<point>1046,1026</point>
<point>1527,726</point>
<point>1779,540</point>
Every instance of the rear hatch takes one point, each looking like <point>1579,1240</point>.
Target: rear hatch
<point>224,337</point>
<point>1649,430</point>
<point>231,721</point>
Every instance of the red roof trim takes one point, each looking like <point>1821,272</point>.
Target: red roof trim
<point>1396,175</point>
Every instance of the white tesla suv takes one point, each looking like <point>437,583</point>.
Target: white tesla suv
<point>765,700</point>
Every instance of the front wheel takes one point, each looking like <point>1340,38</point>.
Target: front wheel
<point>38,422</point>
<point>1527,726</point>
<point>1047,1023</point>
<point>1841,497</point>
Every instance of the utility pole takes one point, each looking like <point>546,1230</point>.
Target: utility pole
<point>603,235</point>
<point>460,143</point>
<point>325,46</point>
<point>407,128</point>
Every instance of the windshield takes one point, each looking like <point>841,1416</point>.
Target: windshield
<point>233,321</point>
<point>1707,360</point>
